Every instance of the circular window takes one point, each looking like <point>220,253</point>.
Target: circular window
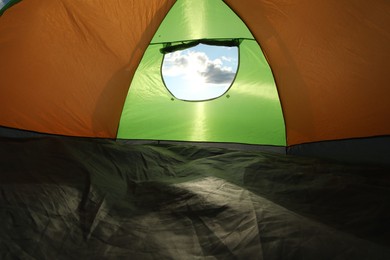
<point>200,73</point>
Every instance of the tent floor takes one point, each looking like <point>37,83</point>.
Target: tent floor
<point>72,198</point>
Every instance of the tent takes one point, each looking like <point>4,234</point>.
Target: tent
<point>67,70</point>
<point>100,159</point>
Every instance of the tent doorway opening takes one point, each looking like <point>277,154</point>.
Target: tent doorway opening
<point>200,73</point>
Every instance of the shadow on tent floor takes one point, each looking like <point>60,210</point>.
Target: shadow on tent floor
<point>68,198</point>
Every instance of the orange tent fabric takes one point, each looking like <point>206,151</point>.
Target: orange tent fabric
<point>330,61</point>
<point>66,66</point>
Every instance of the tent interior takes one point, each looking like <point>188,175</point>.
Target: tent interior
<point>100,159</point>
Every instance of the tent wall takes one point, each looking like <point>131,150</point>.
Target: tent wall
<point>7,132</point>
<point>330,61</point>
<point>66,66</point>
<point>361,150</point>
<point>249,112</point>
<point>210,19</point>
<point>374,150</point>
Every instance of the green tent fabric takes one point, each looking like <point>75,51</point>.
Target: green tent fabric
<point>250,112</point>
<point>241,117</point>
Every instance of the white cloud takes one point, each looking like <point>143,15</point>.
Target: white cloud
<point>228,59</point>
<point>194,65</point>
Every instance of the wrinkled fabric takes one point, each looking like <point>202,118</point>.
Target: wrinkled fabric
<point>69,198</point>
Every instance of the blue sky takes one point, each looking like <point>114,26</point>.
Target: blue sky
<point>201,72</point>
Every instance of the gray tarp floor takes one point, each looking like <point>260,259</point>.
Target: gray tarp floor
<point>69,198</point>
